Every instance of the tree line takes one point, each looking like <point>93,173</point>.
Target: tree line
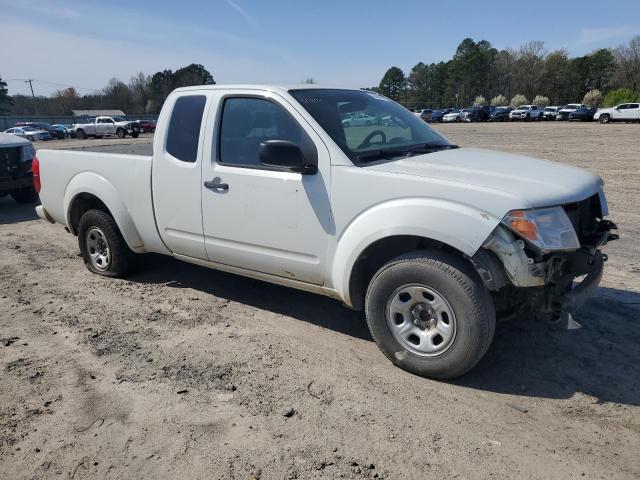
<point>143,94</point>
<point>478,73</point>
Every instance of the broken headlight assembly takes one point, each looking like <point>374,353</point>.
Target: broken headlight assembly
<point>548,229</point>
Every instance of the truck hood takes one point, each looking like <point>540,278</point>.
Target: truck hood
<point>531,182</point>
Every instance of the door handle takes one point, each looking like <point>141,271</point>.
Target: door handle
<point>215,185</point>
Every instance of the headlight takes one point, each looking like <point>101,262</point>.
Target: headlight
<point>546,228</point>
<point>28,152</point>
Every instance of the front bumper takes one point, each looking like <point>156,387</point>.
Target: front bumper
<point>545,282</point>
<point>575,298</point>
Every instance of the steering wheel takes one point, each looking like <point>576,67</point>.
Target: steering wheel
<point>367,141</point>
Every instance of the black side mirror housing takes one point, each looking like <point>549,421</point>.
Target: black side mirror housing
<point>286,154</point>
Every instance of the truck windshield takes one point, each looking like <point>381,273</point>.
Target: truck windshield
<point>368,126</point>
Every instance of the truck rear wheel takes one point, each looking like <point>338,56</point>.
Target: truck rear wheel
<point>103,248</point>
<point>430,314</point>
<point>121,133</point>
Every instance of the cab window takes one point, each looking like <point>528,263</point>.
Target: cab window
<point>183,134</point>
<point>247,122</point>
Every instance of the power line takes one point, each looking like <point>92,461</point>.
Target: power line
<point>49,83</point>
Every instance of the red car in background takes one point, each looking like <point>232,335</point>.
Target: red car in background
<point>146,126</point>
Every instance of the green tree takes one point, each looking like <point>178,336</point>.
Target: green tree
<point>5,99</point>
<point>627,72</point>
<point>529,67</point>
<point>556,80</point>
<point>140,87</point>
<point>164,82</point>
<point>621,95</point>
<point>392,83</point>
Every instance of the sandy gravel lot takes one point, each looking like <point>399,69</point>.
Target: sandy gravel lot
<point>183,372</point>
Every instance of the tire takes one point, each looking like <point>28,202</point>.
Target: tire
<point>98,234</point>
<point>135,134</point>
<point>468,325</point>
<point>458,119</point>
<point>81,135</point>
<point>121,133</point>
<point>605,119</point>
<point>30,138</point>
<point>25,195</point>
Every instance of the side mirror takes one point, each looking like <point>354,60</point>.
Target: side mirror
<point>282,153</point>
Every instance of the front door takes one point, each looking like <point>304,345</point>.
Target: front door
<point>261,218</point>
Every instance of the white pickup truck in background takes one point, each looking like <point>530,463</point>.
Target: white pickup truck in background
<point>431,240</point>
<point>103,126</point>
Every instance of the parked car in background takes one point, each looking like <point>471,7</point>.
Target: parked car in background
<point>102,126</point>
<point>16,178</point>
<point>550,113</point>
<point>477,114</point>
<point>563,113</point>
<point>61,130</point>
<point>66,128</point>
<point>360,120</point>
<point>54,132</point>
<point>625,112</point>
<point>583,114</point>
<point>437,116</point>
<point>526,113</point>
<point>500,114</point>
<point>454,115</point>
<point>30,133</point>
<point>424,113</point>
<point>146,126</point>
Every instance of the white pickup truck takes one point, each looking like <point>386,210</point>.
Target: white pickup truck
<point>103,126</point>
<point>431,240</point>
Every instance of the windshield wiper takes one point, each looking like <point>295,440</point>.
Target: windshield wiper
<point>404,150</point>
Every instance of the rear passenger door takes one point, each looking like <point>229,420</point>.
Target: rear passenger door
<point>176,174</point>
<point>620,112</point>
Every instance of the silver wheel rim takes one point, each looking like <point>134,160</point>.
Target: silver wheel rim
<point>98,248</point>
<point>421,320</point>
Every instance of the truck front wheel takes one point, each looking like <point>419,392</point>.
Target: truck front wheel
<point>103,248</point>
<point>430,314</point>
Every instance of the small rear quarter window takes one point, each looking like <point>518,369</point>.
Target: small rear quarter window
<point>184,128</point>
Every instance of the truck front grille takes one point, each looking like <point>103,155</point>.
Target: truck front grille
<point>584,216</point>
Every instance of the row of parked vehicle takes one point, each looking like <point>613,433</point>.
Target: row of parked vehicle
<point>97,127</point>
<point>626,112</point>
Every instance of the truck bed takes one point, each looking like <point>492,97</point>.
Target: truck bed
<point>66,173</point>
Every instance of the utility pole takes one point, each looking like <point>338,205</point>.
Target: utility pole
<point>30,82</point>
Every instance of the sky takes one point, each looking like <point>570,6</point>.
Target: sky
<point>348,43</point>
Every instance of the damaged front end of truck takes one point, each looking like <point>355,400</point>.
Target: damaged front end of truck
<point>546,261</point>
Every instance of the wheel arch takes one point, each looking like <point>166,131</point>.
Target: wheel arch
<point>88,190</point>
<point>399,227</point>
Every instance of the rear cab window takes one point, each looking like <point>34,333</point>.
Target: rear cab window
<point>183,134</point>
